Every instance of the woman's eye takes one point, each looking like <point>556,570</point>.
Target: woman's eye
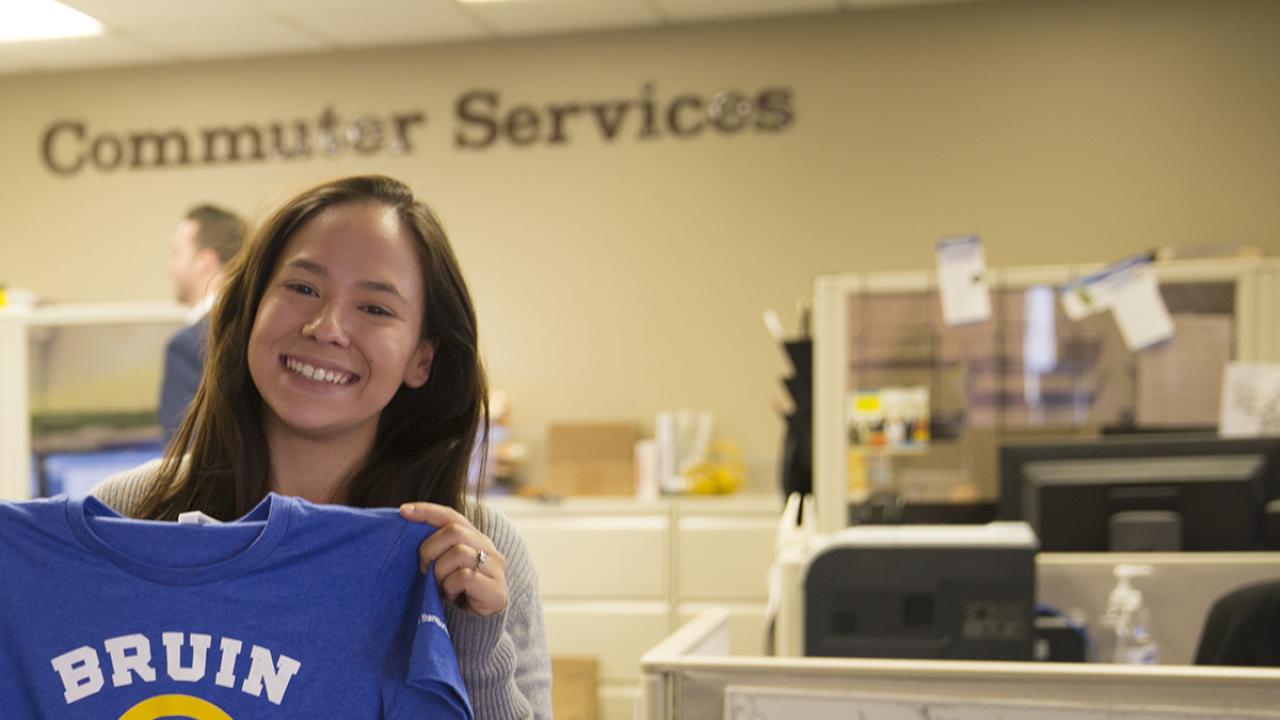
<point>377,310</point>
<point>300,288</point>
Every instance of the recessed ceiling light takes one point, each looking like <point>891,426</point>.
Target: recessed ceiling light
<point>43,20</point>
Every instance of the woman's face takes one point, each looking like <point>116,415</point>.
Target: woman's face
<point>339,327</point>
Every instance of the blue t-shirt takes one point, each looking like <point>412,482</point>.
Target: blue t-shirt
<point>293,611</point>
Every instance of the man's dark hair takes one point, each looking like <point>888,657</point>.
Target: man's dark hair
<point>219,230</point>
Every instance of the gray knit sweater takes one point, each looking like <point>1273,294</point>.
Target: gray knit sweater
<point>503,657</point>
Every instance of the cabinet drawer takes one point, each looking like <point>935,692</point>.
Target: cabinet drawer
<point>617,633</point>
<point>598,557</point>
<point>724,557</point>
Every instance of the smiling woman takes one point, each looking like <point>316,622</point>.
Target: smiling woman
<point>344,368</point>
<point>68,146</point>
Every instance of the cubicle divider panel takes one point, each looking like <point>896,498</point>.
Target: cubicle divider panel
<point>1028,368</point>
<point>685,679</point>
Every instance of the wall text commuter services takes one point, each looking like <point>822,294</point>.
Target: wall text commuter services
<point>482,121</point>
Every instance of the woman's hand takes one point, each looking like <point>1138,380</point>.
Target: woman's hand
<point>470,570</point>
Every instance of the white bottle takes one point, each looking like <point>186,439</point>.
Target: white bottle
<point>1130,619</point>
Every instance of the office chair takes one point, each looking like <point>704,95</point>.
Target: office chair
<point>1243,628</point>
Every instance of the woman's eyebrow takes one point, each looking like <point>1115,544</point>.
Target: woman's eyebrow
<point>309,266</point>
<point>382,287</point>
<point>375,285</point>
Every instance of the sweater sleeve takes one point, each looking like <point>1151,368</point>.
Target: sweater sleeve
<point>504,657</point>
<point>123,492</point>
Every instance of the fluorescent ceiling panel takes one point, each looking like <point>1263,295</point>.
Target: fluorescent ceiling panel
<point>43,20</point>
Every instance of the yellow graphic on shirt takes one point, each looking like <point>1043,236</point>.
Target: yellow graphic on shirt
<point>183,707</point>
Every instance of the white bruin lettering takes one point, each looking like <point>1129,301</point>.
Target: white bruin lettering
<point>277,681</point>
<point>130,654</point>
<point>173,656</point>
<point>226,676</point>
<point>82,673</point>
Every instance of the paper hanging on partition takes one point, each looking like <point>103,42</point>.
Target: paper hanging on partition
<point>1250,400</point>
<point>962,280</point>
<point>1130,291</point>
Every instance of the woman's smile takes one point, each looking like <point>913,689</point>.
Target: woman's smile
<point>318,373</point>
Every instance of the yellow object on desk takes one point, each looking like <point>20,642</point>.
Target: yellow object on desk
<point>857,484</point>
<point>721,473</point>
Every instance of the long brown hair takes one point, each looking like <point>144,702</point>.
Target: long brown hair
<point>425,436</point>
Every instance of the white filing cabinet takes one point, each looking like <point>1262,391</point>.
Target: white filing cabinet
<point>618,576</point>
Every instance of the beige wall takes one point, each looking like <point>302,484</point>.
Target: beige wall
<point>618,279</point>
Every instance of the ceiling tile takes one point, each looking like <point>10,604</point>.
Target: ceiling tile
<point>525,17</point>
<point>869,4</point>
<point>156,31</point>
<point>15,65</point>
<point>721,10</point>
<point>164,13</point>
<point>383,23</point>
<point>97,51</point>
<point>222,39</point>
<point>12,61</point>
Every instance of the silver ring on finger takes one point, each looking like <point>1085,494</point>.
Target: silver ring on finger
<point>482,557</point>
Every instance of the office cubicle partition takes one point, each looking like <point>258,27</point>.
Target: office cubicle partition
<point>1026,371</point>
<point>691,675</point>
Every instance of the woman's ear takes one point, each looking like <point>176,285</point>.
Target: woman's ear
<point>419,369</point>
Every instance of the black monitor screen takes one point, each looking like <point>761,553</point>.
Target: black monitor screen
<point>1196,503</point>
<point>1142,493</point>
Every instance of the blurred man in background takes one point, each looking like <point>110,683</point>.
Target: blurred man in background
<point>204,241</point>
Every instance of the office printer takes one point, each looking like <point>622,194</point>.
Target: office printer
<point>922,591</point>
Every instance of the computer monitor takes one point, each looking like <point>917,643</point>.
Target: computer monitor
<point>1145,504</point>
<point>75,473</point>
<point>1166,492</point>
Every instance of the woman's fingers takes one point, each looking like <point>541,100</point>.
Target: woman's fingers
<point>462,557</point>
<point>484,595</point>
<point>484,584</point>
<point>467,564</point>
<point>431,514</point>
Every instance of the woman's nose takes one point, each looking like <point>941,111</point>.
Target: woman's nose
<point>326,327</point>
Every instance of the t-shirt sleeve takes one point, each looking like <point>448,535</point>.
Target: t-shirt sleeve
<point>433,665</point>
<point>421,679</point>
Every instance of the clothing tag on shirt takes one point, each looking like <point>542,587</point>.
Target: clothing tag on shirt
<point>195,517</point>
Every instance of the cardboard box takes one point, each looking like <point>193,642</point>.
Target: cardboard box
<point>573,687</point>
<point>591,458</point>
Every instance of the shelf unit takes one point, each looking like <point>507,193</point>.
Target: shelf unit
<point>21,332</point>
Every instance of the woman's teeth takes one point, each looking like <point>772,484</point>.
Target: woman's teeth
<point>314,373</point>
